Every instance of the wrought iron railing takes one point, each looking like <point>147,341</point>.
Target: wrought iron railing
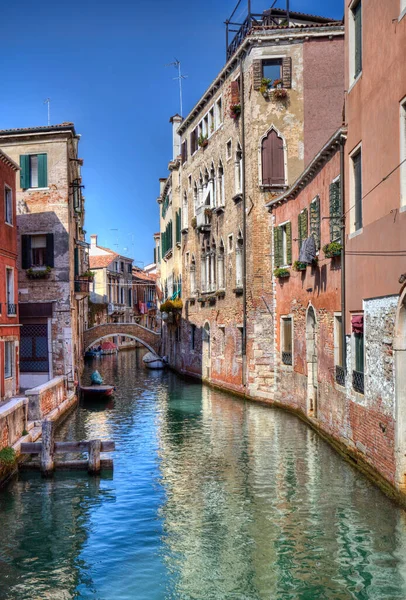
<point>287,358</point>
<point>241,33</point>
<point>11,309</point>
<point>358,381</point>
<point>340,375</point>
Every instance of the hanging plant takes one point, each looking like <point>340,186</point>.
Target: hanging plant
<point>280,93</point>
<point>265,85</point>
<point>332,250</point>
<point>235,111</point>
<point>203,141</point>
<point>193,222</point>
<point>281,273</point>
<point>299,266</point>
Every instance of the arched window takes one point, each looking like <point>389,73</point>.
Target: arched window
<point>220,267</point>
<point>273,159</point>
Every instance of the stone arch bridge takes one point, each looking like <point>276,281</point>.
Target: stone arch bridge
<point>148,338</point>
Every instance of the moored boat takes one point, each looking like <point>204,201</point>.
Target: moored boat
<point>153,361</point>
<point>97,390</point>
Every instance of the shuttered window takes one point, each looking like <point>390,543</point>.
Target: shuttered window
<point>178,226</point>
<point>302,226</point>
<point>335,211</point>
<point>235,92</point>
<point>193,141</point>
<point>315,221</point>
<point>37,251</point>
<point>283,244</point>
<point>357,16</point>
<point>184,151</point>
<point>272,69</point>
<point>273,159</point>
<point>34,171</point>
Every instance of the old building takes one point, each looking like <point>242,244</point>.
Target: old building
<point>307,305</point>
<point>375,189</point>
<point>9,323</point>
<point>111,296</point>
<point>145,299</point>
<point>168,249</point>
<point>51,248</point>
<point>246,141</point>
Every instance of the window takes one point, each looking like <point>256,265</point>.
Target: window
<point>195,198</point>
<point>357,323</point>
<point>238,170</point>
<point>283,244</point>
<point>335,211</point>
<point>8,359</point>
<point>33,172</point>
<point>302,226</point>
<point>220,267</point>
<point>77,195</point>
<point>272,69</point>
<point>357,190</point>
<point>34,348</point>
<point>129,298</point>
<point>230,242</point>
<point>11,307</point>
<point>228,149</point>
<point>129,268</point>
<point>315,221</point>
<point>192,336</point>
<point>193,276</point>
<point>193,141</point>
<point>239,251</point>
<point>189,182</point>
<point>273,159</point>
<point>338,350</point>
<point>185,211</point>
<point>8,205</point>
<point>219,113</point>
<point>239,340</point>
<point>355,39</point>
<point>183,151</point>
<point>122,266</point>
<point>212,123</point>
<point>286,340</point>
<point>37,250</point>
<point>220,187</point>
<point>222,339</point>
<point>403,151</point>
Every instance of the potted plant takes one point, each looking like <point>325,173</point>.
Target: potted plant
<point>281,273</point>
<point>193,222</point>
<point>203,141</point>
<point>299,266</point>
<point>265,85</point>
<point>280,93</point>
<point>88,275</point>
<point>220,293</point>
<point>277,84</point>
<point>208,212</point>
<point>333,249</point>
<point>235,111</point>
<point>39,273</point>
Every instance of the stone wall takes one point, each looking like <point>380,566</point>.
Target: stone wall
<point>45,398</point>
<point>13,421</point>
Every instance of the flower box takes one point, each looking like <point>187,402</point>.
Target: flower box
<point>281,273</point>
<point>38,273</point>
<point>203,141</point>
<point>299,266</point>
<point>332,250</point>
<point>235,111</point>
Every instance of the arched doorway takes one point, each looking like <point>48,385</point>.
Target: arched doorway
<point>206,351</point>
<point>400,392</point>
<point>311,357</point>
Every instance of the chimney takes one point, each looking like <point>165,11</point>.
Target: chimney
<point>162,182</point>
<point>176,120</point>
<point>93,240</point>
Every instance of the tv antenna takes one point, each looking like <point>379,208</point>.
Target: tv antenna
<point>48,101</point>
<point>176,64</point>
<point>116,244</point>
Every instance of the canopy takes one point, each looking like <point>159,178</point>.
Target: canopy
<point>357,322</point>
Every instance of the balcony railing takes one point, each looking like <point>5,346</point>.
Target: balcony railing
<point>11,309</point>
<point>358,381</point>
<point>340,375</point>
<point>287,358</point>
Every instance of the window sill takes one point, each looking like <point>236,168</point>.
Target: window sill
<point>8,377</point>
<point>36,189</point>
<point>355,233</point>
<point>287,368</point>
<point>237,197</point>
<point>358,77</point>
<point>9,224</point>
<point>273,187</point>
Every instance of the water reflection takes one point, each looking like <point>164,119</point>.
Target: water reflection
<point>211,498</point>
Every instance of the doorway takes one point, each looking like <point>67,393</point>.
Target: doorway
<point>312,363</point>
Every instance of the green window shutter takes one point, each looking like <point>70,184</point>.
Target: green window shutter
<point>25,251</point>
<point>25,171</point>
<point>42,170</point>
<point>76,257</point>
<point>277,246</point>
<point>302,227</point>
<point>288,229</point>
<point>315,221</point>
<point>50,249</point>
<point>335,212</point>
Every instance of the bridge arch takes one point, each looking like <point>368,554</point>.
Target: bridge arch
<point>147,337</point>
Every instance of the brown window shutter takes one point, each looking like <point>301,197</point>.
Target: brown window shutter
<point>273,160</point>
<point>287,72</point>
<point>235,92</point>
<point>257,74</point>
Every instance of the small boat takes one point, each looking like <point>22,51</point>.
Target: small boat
<point>97,390</point>
<point>153,361</point>
<point>93,353</point>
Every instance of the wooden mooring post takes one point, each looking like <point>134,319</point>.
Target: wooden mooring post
<point>47,448</point>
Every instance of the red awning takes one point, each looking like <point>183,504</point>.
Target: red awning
<point>108,346</point>
<point>357,322</point>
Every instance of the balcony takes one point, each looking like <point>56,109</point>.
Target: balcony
<point>203,218</point>
<point>114,308</point>
<point>82,286</point>
<point>340,375</point>
<point>287,358</point>
<point>358,381</point>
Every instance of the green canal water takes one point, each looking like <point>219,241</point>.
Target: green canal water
<point>211,498</point>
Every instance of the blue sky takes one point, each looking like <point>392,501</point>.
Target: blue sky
<point>103,66</point>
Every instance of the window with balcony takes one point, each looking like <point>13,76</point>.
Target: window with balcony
<point>287,340</point>
<point>34,171</point>
<point>8,205</point>
<point>357,322</point>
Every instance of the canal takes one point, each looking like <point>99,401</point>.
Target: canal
<point>211,498</point>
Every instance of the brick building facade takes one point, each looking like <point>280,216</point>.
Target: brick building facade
<point>9,319</point>
<point>51,249</point>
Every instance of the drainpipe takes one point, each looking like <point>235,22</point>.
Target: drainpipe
<point>244,233</point>
<point>343,303</point>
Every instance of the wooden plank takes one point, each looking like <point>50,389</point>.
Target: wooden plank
<point>83,446</point>
<point>94,457</point>
<point>69,465</point>
<point>47,448</point>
